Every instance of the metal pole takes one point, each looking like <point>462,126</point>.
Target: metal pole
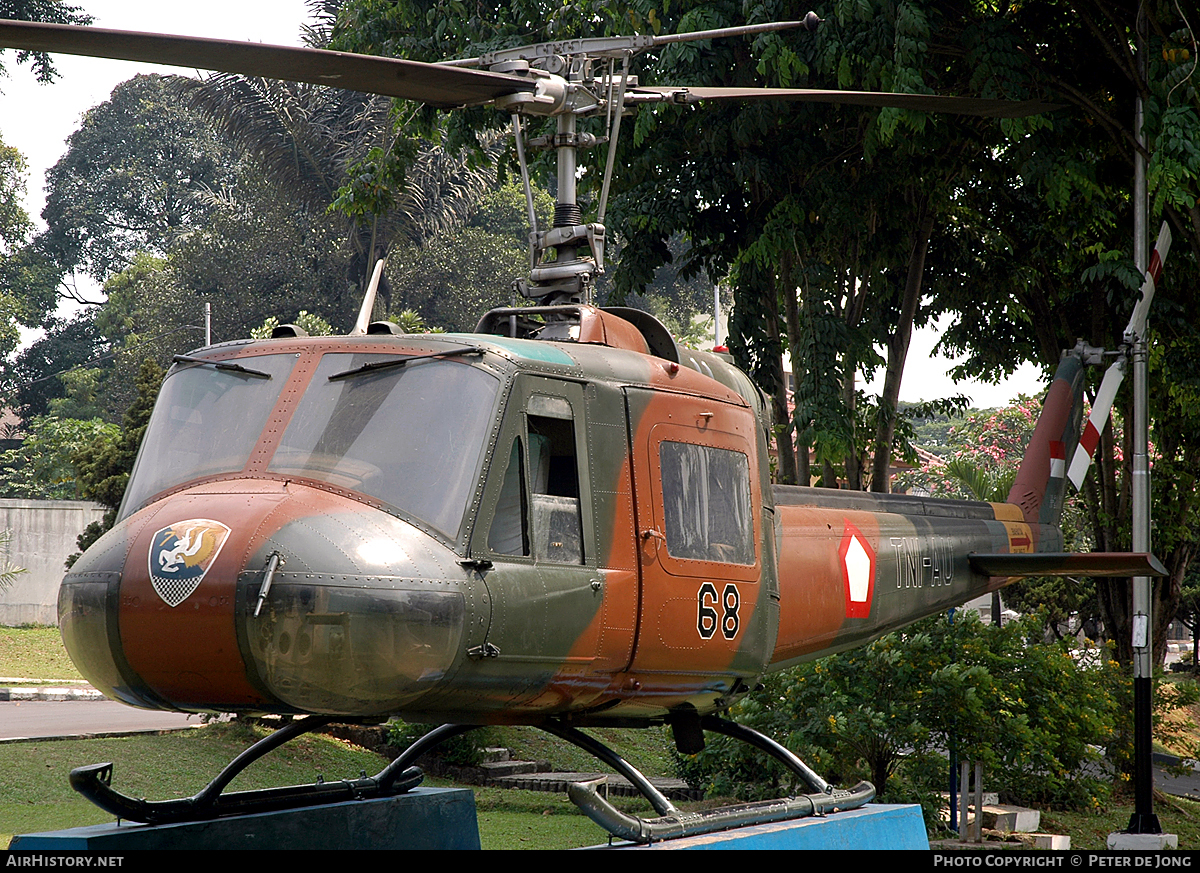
<point>953,753</point>
<point>208,324</point>
<point>964,800</point>
<point>979,801</point>
<point>717,338</point>
<point>1143,820</point>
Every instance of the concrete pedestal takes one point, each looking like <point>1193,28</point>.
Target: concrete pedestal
<point>1143,842</point>
<point>424,818</point>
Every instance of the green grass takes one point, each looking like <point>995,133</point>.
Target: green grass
<point>36,796</point>
<point>34,653</point>
<point>1091,830</point>
<point>648,749</point>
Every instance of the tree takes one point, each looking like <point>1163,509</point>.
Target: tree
<point>840,243</point>
<point>8,570</point>
<point>982,453</point>
<point>45,465</point>
<point>105,462</point>
<point>26,297</point>
<point>1056,254</point>
<point>49,11</point>
<point>32,380</point>
<point>1189,613</point>
<point>892,710</point>
<point>347,153</point>
<point>133,179</point>
<point>455,277</point>
<point>312,324</point>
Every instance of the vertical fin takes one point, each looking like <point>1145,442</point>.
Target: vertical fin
<point>1040,486</point>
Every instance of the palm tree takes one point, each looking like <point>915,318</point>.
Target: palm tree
<point>320,146</point>
<point>8,571</point>
<point>983,483</point>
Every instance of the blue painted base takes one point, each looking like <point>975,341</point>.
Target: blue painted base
<point>424,818</point>
<point>875,826</point>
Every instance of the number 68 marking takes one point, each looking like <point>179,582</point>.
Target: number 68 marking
<point>707,617</point>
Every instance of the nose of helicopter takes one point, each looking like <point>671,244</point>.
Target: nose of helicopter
<point>269,596</point>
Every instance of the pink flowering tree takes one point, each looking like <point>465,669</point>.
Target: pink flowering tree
<point>981,457</point>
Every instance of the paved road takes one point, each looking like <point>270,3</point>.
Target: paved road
<point>35,718</point>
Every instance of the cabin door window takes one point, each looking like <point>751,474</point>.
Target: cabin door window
<point>706,503</point>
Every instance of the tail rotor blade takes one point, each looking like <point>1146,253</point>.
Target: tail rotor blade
<point>1096,422</point>
<point>1137,322</point>
<point>1135,331</point>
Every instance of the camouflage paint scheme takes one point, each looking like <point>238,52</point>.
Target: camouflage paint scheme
<point>374,611</point>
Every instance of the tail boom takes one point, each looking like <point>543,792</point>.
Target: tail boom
<point>854,566</point>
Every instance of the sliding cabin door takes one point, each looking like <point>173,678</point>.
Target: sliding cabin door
<point>699,527</point>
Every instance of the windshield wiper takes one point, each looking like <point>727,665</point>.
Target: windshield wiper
<point>221,365</point>
<point>397,363</point>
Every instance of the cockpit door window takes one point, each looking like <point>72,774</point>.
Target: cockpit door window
<point>539,510</point>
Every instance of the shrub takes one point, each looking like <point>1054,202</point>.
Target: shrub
<point>892,711</point>
<point>464,750</point>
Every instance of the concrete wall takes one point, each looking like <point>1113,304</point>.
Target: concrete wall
<point>43,535</point>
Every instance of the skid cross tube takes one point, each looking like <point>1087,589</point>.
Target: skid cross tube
<point>93,782</point>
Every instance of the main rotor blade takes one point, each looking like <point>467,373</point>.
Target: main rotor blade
<point>924,102</point>
<point>434,84</point>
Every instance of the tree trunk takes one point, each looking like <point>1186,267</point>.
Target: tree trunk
<point>855,302</point>
<point>853,467</point>
<point>786,471</point>
<point>1116,598</point>
<point>898,351</point>
<point>791,311</point>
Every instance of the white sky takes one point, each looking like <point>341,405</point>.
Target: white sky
<point>37,119</point>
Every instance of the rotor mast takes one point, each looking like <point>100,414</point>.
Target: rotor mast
<point>576,79</point>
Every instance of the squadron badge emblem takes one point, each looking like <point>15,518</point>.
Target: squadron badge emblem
<point>181,554</point>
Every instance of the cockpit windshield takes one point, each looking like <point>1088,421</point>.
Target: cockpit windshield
<point>412,437</point>
<point>206,421</point>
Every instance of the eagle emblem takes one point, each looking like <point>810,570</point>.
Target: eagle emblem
<point>181,554</point>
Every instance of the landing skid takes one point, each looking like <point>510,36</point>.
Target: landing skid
<point>94,783</point>
<point>671,823</point>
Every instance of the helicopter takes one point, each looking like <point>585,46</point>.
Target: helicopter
<point>563,519</point>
